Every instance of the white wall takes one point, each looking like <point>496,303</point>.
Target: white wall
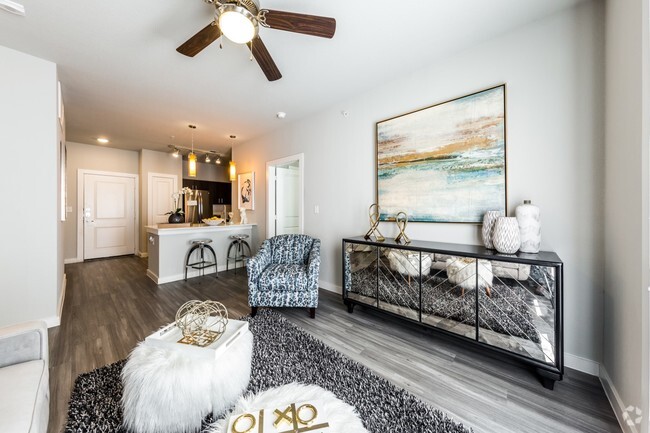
<point>154,162</point>
<point>554,75</point>
<point>90,157</point>
<point>625,360</point>
<point>30,277</point>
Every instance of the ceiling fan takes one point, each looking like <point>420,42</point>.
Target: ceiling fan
<point>239,21</point>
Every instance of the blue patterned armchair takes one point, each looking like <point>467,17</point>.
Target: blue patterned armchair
<point>284,273</point>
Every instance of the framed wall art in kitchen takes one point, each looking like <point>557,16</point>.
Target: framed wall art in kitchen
<point>246,191</point>
<point>446,162</point>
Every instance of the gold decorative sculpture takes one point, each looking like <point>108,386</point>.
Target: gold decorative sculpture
<point>401,219</point>
<point>373,213</point>
<point>201,322</point>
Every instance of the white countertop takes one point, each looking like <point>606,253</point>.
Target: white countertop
<point>196,229</point>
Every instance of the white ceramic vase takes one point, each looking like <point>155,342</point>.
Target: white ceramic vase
<point>505,236</point>
<point>489,219</point>
<point>244,217</point>
<point>530,228</point>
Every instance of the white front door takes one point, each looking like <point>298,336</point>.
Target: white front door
<point>108,215</point>
<point>160,191</point>
<point>287,200</point>
<point>285,192</point>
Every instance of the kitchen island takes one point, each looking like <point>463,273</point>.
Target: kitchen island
<point>168,248</point>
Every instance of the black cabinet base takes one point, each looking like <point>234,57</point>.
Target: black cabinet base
<point>548,378</point>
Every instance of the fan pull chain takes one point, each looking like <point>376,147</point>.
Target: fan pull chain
<point>251,56</point>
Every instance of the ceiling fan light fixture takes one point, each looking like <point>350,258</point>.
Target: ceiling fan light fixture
<point>237,23</point>
<point>12,7</point>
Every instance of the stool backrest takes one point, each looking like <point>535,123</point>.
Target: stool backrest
<point>291,249</point>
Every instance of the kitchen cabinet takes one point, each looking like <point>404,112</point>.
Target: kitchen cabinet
<point>220,192</point>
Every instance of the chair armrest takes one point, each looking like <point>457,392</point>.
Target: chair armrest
<point>258,263</point>
<point>313,264</point>
<point>23,342</point>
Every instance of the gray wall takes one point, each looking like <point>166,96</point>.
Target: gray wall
<point>554,74</point>
<point>210,172</point>
<point>625,361</point>
<point>31,277</point>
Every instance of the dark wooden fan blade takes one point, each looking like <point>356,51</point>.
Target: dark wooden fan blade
<point>264,59</point>
<point>199,41</point>
<point>301,23</point>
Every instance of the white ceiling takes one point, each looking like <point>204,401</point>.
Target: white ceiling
<point>122,77</point>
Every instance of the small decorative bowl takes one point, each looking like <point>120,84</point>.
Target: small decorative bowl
<point>213,222</point>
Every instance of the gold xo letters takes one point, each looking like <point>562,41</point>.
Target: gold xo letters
<point>290,420</point>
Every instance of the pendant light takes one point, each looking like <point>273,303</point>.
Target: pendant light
<point>192,157</point>
<point>233,171</point>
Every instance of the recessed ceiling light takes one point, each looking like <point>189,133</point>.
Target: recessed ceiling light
<point>280,114</point>
<point>12,7</point>
<point>102,140</point>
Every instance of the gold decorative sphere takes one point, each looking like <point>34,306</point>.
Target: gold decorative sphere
<point>201,322</point>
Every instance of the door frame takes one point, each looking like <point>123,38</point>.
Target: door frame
<point>150,177</point>
<point>81,173</point>
<point>270,221</point>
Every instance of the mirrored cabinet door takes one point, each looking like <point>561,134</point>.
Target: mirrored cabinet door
<point>519,316</point>
<point>360,267</point>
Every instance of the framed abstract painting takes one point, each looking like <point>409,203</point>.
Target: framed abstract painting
<point>446,162</point>
<point>246,191</point>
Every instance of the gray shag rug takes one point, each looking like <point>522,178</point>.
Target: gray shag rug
<point>505,311</point>
<point>282,353</point>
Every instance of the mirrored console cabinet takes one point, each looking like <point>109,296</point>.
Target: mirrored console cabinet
<point>508,304</point>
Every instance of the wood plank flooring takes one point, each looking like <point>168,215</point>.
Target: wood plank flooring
<point>111,305</point>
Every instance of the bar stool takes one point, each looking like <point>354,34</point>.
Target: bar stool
<point>239,243</point>
<point>202,264</point>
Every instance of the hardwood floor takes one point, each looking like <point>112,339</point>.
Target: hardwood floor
<point>111,305</point>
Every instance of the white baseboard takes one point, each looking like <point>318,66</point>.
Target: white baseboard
<point>190,274</point>
<point>153,276</point>
<point>72,260</point>
<point>64,285</point>
<point>581,364</point>
<point>52,322</point>
<point>330,287</point>
<point>142,254</point>
<point>615,400</point>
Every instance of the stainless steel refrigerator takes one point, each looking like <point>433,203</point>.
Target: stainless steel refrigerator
<point>198,206</point>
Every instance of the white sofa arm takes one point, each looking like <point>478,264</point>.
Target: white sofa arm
<point>23,342</point>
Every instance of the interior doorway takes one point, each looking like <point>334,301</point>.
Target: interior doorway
<point>285,209</point>
<point>160,191</point>
<point>108,213</point>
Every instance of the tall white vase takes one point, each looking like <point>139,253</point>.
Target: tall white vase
<point>489,219</point>
<point>506,235</point>
<point>530,228</point>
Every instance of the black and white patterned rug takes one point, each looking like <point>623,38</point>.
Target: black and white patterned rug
<point>282,353</point>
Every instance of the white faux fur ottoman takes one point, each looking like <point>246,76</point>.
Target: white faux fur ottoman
<point>341,417</point>
<point>461,271</point>
<point>167,391</point>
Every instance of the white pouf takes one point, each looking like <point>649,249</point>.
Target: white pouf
<point>167,391</point>
<point>342,417</point>
<point>461,271</point>
<point>408,263</point>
